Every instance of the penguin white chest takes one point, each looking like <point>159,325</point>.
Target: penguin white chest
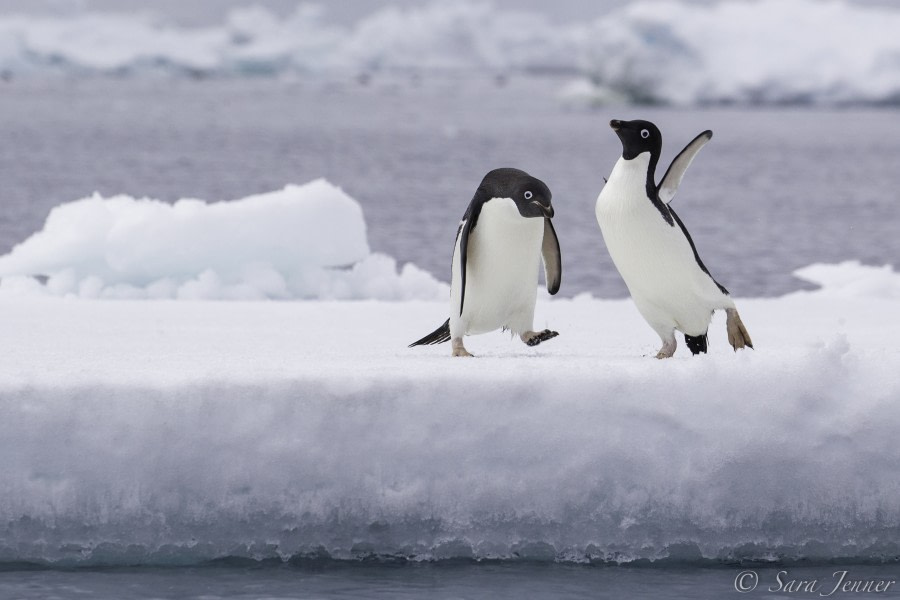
<point>502,264</point>
<point>637,236</point>
<point>654,258</point>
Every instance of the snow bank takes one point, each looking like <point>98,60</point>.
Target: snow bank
<point>852,279</point>
<point>176,432</point>
<point>767,51</point>
<point>304,241</point>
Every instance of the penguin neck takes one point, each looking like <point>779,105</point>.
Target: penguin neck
<point>647,162</point>
<point>636,172</point>
<point>641,171</point>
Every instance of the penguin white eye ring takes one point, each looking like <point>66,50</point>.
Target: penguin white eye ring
<point>645,134</point>
<point>528,195</point>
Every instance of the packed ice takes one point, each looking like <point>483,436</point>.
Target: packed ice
<point>306,241</point>
<point>668,51</point>
<point>157,432</point>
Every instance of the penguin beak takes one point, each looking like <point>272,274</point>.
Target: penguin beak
<point>615,124</point>
<point>547,210</point>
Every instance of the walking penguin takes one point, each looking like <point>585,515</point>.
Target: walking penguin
<point>651,247</point>
<point>494,273</point>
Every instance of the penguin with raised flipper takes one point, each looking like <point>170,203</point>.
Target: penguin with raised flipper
<point>505,232</point>
<point>651,247</point>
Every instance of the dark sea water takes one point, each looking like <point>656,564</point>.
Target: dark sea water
<point>775,190</point>
<point>453,582</point>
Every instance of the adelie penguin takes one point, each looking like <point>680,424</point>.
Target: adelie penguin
<point>494,274</point>
<point>651,247</point>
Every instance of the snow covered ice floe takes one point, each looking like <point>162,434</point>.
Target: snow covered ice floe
<point>852,279</point>
<point>163,432</point>
<point>734,51</point>
<point>305,241</point>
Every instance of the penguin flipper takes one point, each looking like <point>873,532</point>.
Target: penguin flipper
<point>668,187</point>
<point>552,258</point>
<point>438,336</point>
<point>470,220</point>
<point>464,230</point>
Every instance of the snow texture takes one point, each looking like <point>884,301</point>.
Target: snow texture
<point>304,241</point>
<point>767,51</point>
<point>160,432</point>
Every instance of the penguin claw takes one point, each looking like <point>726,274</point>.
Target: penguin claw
<point>459,349</point>
<point>737,333</point>
<point>668,349</point>
<point>541,336</point>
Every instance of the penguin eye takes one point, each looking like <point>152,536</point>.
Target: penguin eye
<point>528,195</point>
<point>645,134</point>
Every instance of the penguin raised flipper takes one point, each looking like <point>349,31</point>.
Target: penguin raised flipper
<point>504,234</point>
<point>668,187</point>
<point>651,247</point>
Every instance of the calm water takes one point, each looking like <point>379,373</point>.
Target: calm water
<point>775,190</point>
<point>436,582</point>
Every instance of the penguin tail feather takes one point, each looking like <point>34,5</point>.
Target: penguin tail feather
<point>697,343</point>
<point>438,336</point>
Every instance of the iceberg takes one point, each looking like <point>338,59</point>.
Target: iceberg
<point>831,52</point>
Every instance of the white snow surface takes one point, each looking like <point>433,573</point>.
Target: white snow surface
<point>174,432</point>
<point>304,241</point>
<point>763,51</point>
<point>852,279</point>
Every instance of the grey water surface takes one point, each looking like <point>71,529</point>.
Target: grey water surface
<point>776,189</point>
<point>456,582</point>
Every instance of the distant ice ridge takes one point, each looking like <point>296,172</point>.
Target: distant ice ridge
<point>768,51</point>
<point>305,241</point>
<point>734,51</point>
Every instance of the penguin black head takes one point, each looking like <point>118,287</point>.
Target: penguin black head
<point>637,137</point>
<point>531,195</point>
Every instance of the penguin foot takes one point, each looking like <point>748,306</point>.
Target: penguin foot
<point>737,333</point>
<point>533,338</point>
<point>668,349</point>
<point>459,349</point>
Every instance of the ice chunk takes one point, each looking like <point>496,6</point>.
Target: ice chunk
<point>853,279</point>
<point>304,241</point>
<point>159,432</point>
